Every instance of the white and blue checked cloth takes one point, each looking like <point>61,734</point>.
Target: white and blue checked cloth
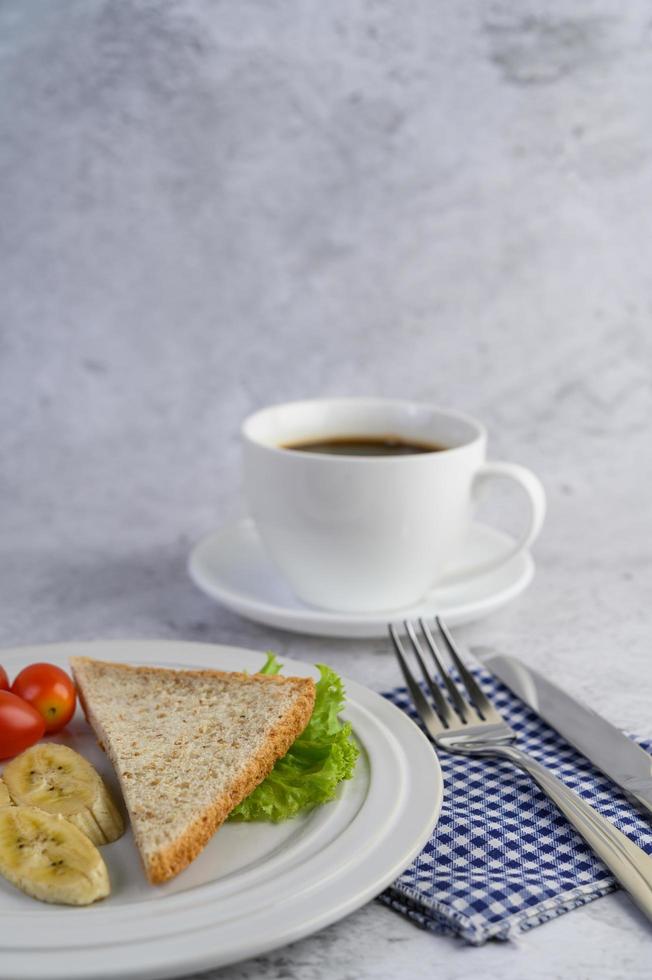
<point>502,858</point>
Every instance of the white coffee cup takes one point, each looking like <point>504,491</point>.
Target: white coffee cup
<point>370,533</point>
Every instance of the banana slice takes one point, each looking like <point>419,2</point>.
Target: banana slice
<point>58,780</point>
<point>5,799</point>
<point>47,857</point>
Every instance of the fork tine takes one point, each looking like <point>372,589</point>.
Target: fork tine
<point>441,704</point>
<point>425,711</point>
<point>480,702</point>
<point>463,709</point>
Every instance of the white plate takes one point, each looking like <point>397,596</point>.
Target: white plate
<point>256,886</point>
<point>232,566</point>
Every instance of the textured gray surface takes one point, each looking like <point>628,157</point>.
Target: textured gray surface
<point>205,207</point>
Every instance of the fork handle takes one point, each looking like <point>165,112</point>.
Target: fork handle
<point>630,865</point>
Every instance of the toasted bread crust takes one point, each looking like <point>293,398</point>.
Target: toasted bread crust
<point>168,861</point>
<point>76,662</point>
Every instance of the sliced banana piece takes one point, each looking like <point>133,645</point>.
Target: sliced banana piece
<point>47,857</point>
<point>5,799</point>
<point>57,779</point>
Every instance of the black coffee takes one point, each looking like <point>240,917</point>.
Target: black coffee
<point>365,446</point>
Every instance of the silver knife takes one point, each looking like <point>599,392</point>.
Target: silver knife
<point>628,765</point>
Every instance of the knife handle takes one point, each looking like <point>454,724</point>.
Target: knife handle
<point>630,865</point>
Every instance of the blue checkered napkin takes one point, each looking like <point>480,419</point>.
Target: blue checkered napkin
<point>502,858</point>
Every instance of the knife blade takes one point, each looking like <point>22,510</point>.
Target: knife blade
<point>619,758</point>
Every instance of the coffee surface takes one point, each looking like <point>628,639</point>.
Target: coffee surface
<point>388,445</point>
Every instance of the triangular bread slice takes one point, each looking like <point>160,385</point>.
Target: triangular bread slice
<point>188,746</point>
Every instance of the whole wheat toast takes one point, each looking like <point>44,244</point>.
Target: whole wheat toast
<point>188,746</point>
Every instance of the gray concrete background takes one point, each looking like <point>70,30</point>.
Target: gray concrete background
<point>206,207</point>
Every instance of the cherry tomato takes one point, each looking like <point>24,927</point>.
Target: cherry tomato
<point>20,725</point>
<point>48,689</point>
<point>4,680</point>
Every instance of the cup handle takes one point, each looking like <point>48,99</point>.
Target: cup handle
<point>536,495</point>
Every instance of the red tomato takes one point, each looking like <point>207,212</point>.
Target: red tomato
<point>48,689</point>
<point>4,680</point>
<point>20,725</point>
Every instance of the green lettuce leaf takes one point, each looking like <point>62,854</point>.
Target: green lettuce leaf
<point>272,665</point>
<point>320,758</point>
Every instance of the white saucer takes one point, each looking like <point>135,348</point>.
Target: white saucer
<point>232,566</point>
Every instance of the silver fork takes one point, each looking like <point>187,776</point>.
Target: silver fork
<point>471,726</point>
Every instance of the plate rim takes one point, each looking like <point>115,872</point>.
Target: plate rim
<point>205,955</point>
